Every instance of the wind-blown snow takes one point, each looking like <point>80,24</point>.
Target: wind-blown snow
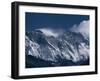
<point>49,32</point>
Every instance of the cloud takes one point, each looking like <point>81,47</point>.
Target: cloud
<point>82,28</point>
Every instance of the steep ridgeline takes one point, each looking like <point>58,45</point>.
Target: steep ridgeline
<point>66,49</point>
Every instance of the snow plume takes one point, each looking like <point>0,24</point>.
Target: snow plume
<point>82,28</point>
<point>51,32</point>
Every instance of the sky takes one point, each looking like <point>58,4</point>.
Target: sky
<point>54,21</point>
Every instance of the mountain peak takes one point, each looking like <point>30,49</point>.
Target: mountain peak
<point>48,32</point>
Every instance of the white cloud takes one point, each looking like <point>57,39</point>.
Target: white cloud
<point>82,28</point>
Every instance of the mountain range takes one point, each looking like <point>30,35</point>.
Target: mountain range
<point>47,48</point>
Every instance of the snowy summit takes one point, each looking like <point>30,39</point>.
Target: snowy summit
<point>49,32</point>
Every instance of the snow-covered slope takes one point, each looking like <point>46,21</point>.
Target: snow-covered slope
<point>69,46</point>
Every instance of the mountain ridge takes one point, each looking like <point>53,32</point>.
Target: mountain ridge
<point>69,47</point>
